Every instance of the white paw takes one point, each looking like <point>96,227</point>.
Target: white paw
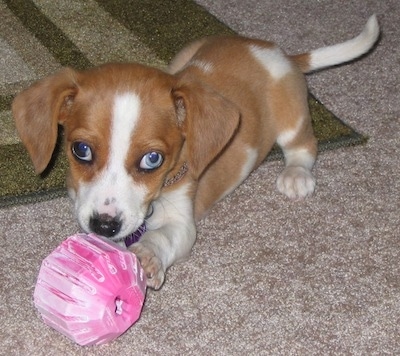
<point>151,264</point>
<point>296,182</point>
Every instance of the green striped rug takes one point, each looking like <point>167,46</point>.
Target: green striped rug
<point>38,37</point>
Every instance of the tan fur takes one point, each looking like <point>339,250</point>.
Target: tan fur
<point>267,108</point>
<point>37,111</point>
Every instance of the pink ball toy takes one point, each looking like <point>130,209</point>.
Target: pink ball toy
<point>90,290</point>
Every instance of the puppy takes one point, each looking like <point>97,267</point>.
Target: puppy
<point>161,147</point>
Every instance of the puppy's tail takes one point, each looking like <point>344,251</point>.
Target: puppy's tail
<point>342,52</point>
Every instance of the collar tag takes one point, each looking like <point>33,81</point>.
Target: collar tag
<point>178,176</point>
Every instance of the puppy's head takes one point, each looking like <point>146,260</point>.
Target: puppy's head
<point>126,128</point>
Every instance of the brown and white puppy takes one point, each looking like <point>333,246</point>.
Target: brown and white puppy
<point>159,147</point>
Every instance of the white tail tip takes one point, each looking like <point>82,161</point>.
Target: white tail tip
<point>348,50</point>
<point>371,29</point>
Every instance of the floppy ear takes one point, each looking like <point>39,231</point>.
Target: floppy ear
<point>37,112</point>
<point>208,121</point>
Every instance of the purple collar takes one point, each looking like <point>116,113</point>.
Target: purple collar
<point>135,237</point>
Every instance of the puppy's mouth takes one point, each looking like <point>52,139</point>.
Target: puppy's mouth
<point>109,227</point>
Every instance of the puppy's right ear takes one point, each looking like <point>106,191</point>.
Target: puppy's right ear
<point>39,109</point>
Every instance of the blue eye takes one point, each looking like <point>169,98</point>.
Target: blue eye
<point>82,151</point>
<point>151,160</point>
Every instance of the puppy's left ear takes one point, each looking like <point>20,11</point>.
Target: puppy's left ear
<point>208,120</point>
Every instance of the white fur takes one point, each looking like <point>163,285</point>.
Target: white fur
<point>173,219</point>
<point>170,236</point>
<point>114,192</point>
<point>346,51</point>
<point>296,180</point>
<point>287,136</point>
<point>299,157</point>
<point>204,66</point>
<point>273,60</point>
<point>252,155</point>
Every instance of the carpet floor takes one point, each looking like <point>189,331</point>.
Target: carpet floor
<point>267,276</point>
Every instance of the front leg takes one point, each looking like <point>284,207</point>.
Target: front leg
<point>152,265</point>
<point>157,250</point>
<point>170,236</point>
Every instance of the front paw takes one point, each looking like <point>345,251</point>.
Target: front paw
<point>296,182</point>
<point>151,264</point>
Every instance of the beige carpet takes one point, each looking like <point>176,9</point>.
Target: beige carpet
<point>267,276</point>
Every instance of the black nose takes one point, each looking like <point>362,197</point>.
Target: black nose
<point>105,225</point>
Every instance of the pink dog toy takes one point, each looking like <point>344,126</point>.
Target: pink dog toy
<point>90,290</point>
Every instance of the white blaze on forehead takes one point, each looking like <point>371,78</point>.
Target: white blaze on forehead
<point>114,192</point>
<point>273,60</point>
<point>124,118</point>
